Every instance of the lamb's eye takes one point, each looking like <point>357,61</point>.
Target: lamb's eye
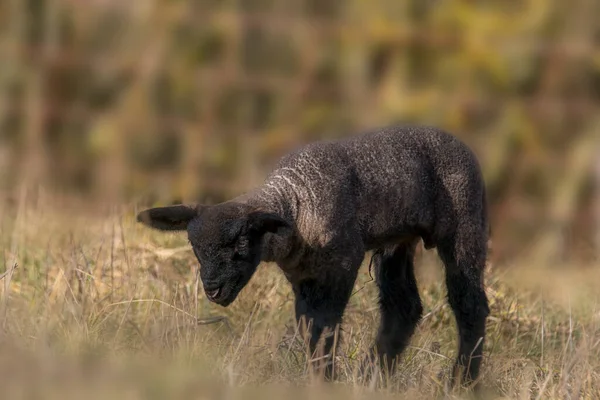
<point>240,250</point>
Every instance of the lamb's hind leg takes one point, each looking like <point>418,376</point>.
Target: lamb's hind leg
<point>464,256</point>
<point>399,301</point>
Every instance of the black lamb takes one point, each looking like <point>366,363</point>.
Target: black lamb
<point>327,204</point>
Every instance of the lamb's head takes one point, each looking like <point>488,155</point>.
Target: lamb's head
<point>226,239</point>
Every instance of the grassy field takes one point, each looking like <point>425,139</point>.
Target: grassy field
<point>100,306</point>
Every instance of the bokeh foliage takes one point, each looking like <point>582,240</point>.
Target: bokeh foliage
<point>195,99</point>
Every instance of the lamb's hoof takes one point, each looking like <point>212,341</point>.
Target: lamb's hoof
<point>369,369</point>
<point>454,380</point>
<point>324,370</point>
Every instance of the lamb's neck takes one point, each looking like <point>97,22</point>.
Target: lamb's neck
<point>269,199</point>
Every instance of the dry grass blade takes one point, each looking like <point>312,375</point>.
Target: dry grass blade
<point>9,271</point>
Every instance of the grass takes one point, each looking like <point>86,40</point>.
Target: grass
<point>99,306</point>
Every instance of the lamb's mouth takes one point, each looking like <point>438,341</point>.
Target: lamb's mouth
<point>213,294</point>
<point>225,294</point>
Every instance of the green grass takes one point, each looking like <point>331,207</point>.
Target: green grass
<point>102,307</point>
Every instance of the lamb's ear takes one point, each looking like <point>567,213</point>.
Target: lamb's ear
<point>170,218</point>
<point>264,222</point>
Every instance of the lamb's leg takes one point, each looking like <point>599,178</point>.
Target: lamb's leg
<point>320,304</point>
<point>399,302</point>
<point>464,256</point>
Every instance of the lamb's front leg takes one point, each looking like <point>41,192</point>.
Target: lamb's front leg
<point>320,305</point>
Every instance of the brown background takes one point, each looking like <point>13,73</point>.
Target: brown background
<point>160,101</point>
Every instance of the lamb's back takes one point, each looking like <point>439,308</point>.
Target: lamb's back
<point>384,182</point>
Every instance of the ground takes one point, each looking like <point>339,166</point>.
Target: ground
<point>103,306</point>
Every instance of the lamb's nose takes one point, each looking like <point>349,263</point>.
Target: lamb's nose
<point>212,294</point>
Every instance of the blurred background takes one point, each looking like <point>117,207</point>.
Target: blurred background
<point>160,101</point>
